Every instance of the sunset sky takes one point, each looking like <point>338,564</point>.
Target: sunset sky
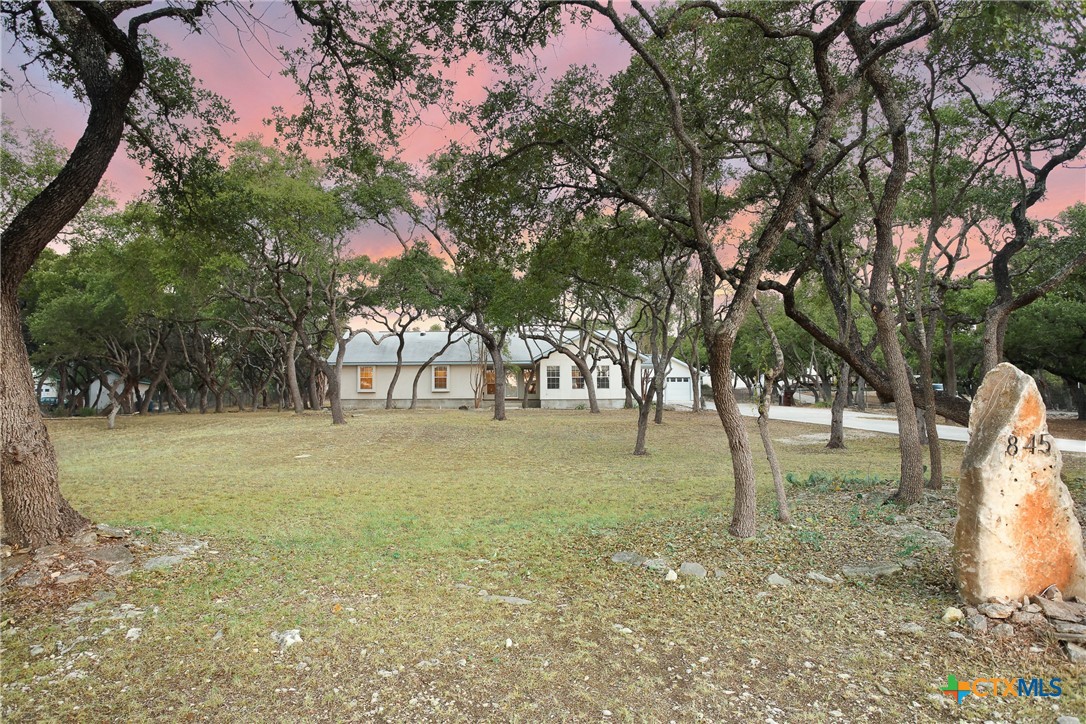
<point>244,68</point>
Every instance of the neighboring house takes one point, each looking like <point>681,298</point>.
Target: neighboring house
<point>538,374</point>
<point>98,396</point>
<point>678,385</point>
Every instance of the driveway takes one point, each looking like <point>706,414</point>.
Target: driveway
<point>880,422</point>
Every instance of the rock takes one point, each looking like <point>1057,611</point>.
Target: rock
<point>218,636</point>
<point>30,578</point>
<point>977,623</point>
<point>189,549</point>
<point>73,577</point>
<point>1003,631</point>
<point>46,552</point>
<point>816,576</point>
<point>287,638</point>
<point>657,564</point>
<point>511,600</point>
<point>777,580</point>
<point>878,570</point>
<point>913,629</point>
<point>956,635</point>
<point>629,558</point>
<point>1017,532</point>
<point>1062,610</point>
<point>1067,719</point>
<point>133,634</point>
<point>915,534</point>
<point>1072,628</point>
<point>952,615</point>
<point>161,562</point>
<point>695,570</point>
<point>1076,653</point>
<point>37,650</point>
<point>111,554</point>
<point>85,538</point>
<point>996,610</point>
<point>108,531</point>
<point>120,569</point>
<point>12,563</point>
<point>1026,618</point>
<point>671,575</point>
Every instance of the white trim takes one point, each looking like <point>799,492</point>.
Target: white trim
<point>433,376</point>
<point>373,380</point>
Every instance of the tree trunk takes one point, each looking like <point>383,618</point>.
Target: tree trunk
<point>396,373</point>
<point>291,367</point>
<point>178,402</point>
<point>837,412</point>
<point>35,513</point>
<point>783,514</point>
<point>315,402</point>
<point>744,507</point>
<point>629,403</point>
<point>589,383</point>
<point>659,381</point>
<point>861,393</point>
<point>220,399</point>
<point>643,424</point>
<point>336,404</point>
<point>995,331</point>
<point>1078,394</point>
<point>495,349</point>
<point>950,380</point>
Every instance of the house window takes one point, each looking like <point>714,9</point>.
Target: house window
<point>441,378</point>
<point>578,381</point>
<point>365,379</point>
<point>554,377</point>
<point>603,377</point>
<point>491,386</point>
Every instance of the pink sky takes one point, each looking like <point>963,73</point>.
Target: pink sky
<point>246,71</point>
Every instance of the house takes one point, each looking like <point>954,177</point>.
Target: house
<point>538,375</point>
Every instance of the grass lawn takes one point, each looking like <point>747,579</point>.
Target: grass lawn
<point>375,538</point>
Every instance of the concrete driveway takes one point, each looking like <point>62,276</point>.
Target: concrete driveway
<point>880,422</point>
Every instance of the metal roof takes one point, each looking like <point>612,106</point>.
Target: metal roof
<point>420,346</point>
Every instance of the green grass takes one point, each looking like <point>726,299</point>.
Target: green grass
<point>362,546</point>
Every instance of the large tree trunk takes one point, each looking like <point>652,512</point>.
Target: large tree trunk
<point>837,412</point>
<point>334,401</point>
<point>291,366</point>
<point>495,350</point>
<point>589,383</point>
<point>1078,394</point>
<point>35,512</point>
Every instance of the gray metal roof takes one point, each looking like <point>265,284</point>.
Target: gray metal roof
<point>420,346</point>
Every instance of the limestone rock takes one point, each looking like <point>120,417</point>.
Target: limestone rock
<point>29,579</point>
<point>996,610</point>
<point>108,531</point>
<point>777,580</point>
<point>1003,631</point>
<point>953,615</point>
<point>1062,610</point>
<point>695,570</point>
<point>671,575</point>
<point>1076,653</point>
<point>877,570</point>
<point>820,578</point>
<point>71,577</point>
<point>111,554</point>
<point>120,569</point>
<point>661,565</point>
<point>161,562</point>
<point>977,623</point>
<point>287,638</point>
<point>1016,532</point>
<point>628,557</point>
<point>85,538</point>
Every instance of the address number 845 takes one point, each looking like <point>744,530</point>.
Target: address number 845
<point>1035,444</point>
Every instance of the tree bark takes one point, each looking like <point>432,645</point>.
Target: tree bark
<point>837,412</point>
<point>291,366</point>
<point>396,373</point>
<point>35,512</point>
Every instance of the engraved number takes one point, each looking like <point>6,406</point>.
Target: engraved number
<point>1031,444</point>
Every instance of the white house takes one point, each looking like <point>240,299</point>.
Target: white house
<point>538,375</point>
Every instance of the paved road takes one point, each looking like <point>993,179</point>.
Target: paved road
<point>876,422</point>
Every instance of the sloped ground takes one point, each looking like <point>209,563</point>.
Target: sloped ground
<point>377,546</point>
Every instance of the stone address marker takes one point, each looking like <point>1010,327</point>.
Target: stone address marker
<point>1017,532</point>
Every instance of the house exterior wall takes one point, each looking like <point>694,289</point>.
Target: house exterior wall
<point>460,391</point>
<point>566,397</point>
